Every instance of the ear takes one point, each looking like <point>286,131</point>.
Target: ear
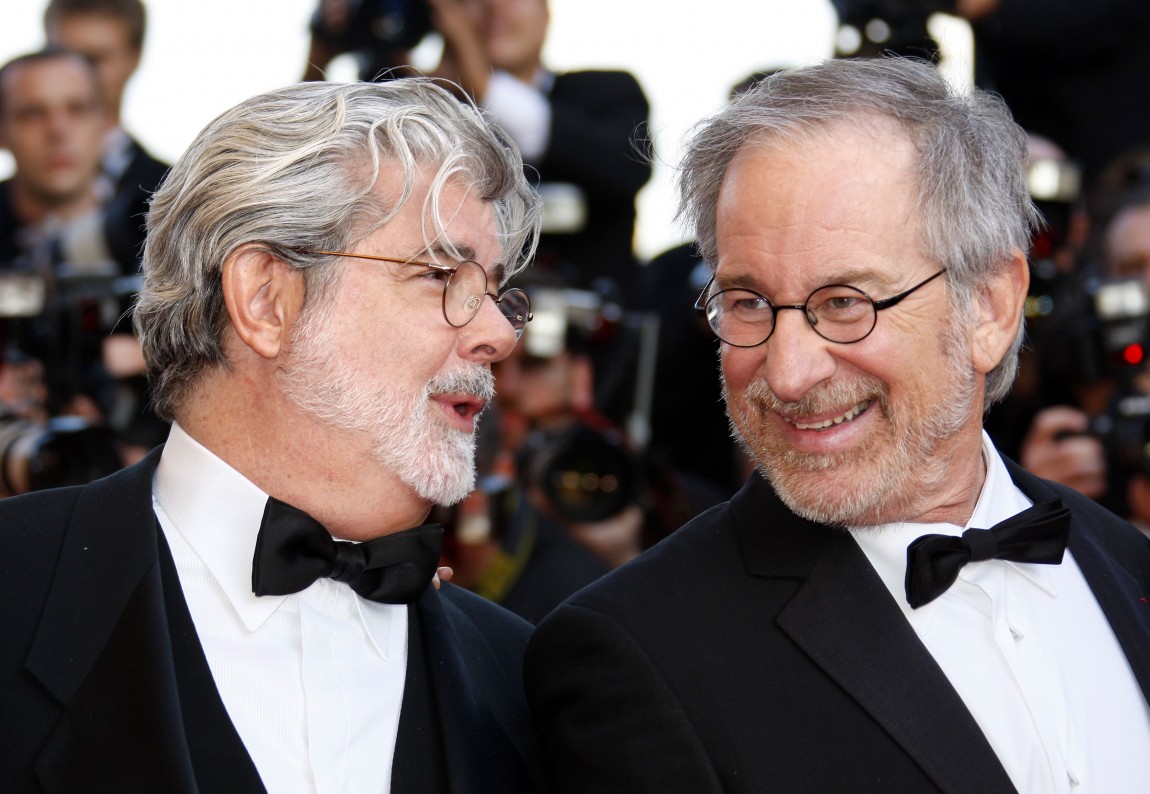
<point>1000,310</point>
<point>264,296</point>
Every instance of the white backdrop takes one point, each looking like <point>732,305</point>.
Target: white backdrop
<point>203,56</point>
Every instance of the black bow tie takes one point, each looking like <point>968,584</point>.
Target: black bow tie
<point>1037,534</point>
<point>293,550</point>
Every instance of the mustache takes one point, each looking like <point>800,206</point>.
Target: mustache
<point>823,398</point>
<point>474,381</point>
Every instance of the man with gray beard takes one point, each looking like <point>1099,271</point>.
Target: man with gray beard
<point>888,604</point>
<point>254,606</point>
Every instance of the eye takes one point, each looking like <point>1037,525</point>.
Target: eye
<point>744,305</point>
<point>436,274</point>
<point>839,304</point>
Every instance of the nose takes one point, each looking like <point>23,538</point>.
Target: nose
<point>58,125</point>
<point>797,359</point>
<point>489,337</point>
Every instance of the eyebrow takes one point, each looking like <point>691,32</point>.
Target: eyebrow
<point>850,276</point>
<point>495,271</point>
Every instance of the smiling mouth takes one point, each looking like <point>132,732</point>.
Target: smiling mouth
<point>847,416</point>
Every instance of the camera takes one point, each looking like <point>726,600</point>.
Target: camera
<point>62,451</point>
<point>585,474</point>
<point>1125,434</point>
<point>1101,337</point>
<point>376,31</point>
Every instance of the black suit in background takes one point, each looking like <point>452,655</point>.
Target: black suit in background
<point>1073,72</point>
<point>128,206</point>
<point>104,685</point>
<point>754,651</point>
<point>598,142</point>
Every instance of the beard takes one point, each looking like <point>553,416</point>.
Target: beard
<point>880,478</point>
<point>406,432</point>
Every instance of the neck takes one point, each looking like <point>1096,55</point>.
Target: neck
<point>956,490</point>
<point>291,456</point>
<point>34,208</point>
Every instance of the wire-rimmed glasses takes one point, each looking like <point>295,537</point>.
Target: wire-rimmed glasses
<point>837,312</point>
<point>463,290</point>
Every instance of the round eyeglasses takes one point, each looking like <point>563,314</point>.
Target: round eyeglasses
<point>464,288</point>
<point>837,312</point>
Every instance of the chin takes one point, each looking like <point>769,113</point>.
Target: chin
<point>442,473</point>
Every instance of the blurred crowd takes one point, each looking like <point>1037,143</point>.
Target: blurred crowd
<point>609,430</point>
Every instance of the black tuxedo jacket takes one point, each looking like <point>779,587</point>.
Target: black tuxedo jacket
<point>126,211</point>
<point>754,651</point>
<point>104,686</point>
<point>599,142</point>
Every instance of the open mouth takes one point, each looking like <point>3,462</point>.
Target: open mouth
<point>824,424</point>
<point>465,408</point>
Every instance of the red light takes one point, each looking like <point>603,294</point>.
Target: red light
<point>1133,354</point>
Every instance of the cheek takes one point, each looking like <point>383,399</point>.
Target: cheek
<point>739,366</point>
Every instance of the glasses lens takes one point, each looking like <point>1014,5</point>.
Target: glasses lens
<point>463,293</point>
<point>740,317</point>
<point>516,307</point>
<point>840,313</point>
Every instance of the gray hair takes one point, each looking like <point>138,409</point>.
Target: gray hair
<point>975,207</point>
<point>293,171</point>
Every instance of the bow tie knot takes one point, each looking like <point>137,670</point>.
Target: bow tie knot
<point>349,564</point>
<point>1036,535</point>
<point>981,544</point>
<point>293,550</point>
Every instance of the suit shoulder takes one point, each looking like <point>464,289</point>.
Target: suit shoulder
<point>596,81</point>
<point>487,616</point>
<point>704,548</point>
<point>39,515</point>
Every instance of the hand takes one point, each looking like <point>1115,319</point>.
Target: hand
<point>442,574</point>
<point>1058,449</point>
<point>617,539</point>
<point>464,58</point>
<point>975,10</point>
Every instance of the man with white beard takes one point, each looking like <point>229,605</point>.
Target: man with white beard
<point>888,604</point>
<point>252,607</point>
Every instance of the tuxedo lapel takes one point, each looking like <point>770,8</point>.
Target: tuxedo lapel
<point>419,765</point>
<point>844,618</point>
<point>107,659</point>
<point>483,750</point>
<point>121,664</point>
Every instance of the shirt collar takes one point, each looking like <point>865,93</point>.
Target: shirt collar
<point>218,512</point>
<point>885,546</point>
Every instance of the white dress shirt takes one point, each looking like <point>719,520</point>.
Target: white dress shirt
<point>522,110</point>
<point>312,681</point>
<point>1028,649</point>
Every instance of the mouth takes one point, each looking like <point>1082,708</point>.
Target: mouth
<point>461,409</point>
<point>825,424</point>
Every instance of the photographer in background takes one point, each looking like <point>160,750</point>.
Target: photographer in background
<point>64,282</point>
<point>111,34</point>
<point>567,495</point>
<point>1091,355</point>
<point>582,135</point>
<point>379,33</point>
<point>52,121</point>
